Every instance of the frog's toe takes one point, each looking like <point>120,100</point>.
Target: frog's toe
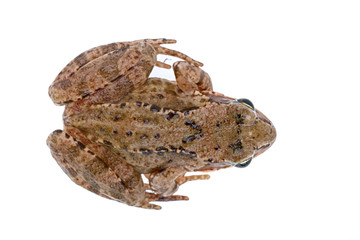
<point>173,198</point>
<point>153,197</point>
<point>145,204</point>
<point>183,179</point>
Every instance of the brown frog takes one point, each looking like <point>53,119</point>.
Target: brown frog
<point>120,125</point>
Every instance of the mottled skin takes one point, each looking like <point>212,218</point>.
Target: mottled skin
<point>120,124</point>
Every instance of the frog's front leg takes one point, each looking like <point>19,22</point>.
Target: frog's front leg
<point>166,182</point>
<point>191,78</point>
<point>97,169</point>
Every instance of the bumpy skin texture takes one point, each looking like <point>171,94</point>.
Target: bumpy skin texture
<point>120,124</point>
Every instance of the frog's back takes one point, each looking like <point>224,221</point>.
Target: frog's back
<point>152,127</point>
<point>165,94</point>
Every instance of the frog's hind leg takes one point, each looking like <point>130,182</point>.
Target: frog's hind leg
<point>110,71</point>
<point>96,52</point>
<point>95,168</point>
<point>129,67</point>
<point>67,167</point>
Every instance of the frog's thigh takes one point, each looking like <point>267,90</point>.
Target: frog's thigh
<point>129,66</point>
<point>191,78</point>
<point>90,171</point>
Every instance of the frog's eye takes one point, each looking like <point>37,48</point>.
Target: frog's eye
<point>244,163</point>
<point>246,102</point>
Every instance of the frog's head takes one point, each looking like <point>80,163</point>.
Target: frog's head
<point>249,133</point>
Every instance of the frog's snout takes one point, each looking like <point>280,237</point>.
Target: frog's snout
<point>267,136</point>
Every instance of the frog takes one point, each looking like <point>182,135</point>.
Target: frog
<point>133,138</point>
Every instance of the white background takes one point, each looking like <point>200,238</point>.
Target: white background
<point>298,61</point>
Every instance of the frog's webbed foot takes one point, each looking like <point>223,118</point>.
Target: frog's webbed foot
<point>164,184</point>
<point>191,78</point>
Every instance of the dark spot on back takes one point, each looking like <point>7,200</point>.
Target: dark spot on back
<point>69,101</point>
<point>117,117</point>
<point>146,121</point>
<point>192,154</point>
<point>236,146</point>
<point>217,147</point>
<point>145,151</point>
<point>85,94</point>
<point>161,150</point>
<point>122,105</point>
<point>182,150</point>
<point>138,104</point>
<point>108,142</point>
<point>171,115</point>
<point>143,136</point>
<point>189,139</point>
<point>160,96</point>
<point>146,104</point>
<point>155,108</point>
<point>157,136</point>
<point>115,132</point>
<point>129,133</point>
<point>67,135</point>
<point>91,152</point>
<point>239,119</point>
<point>187,111</point>
<point>191,124</point>
<point>173,149</point>
<point>81,145</point>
